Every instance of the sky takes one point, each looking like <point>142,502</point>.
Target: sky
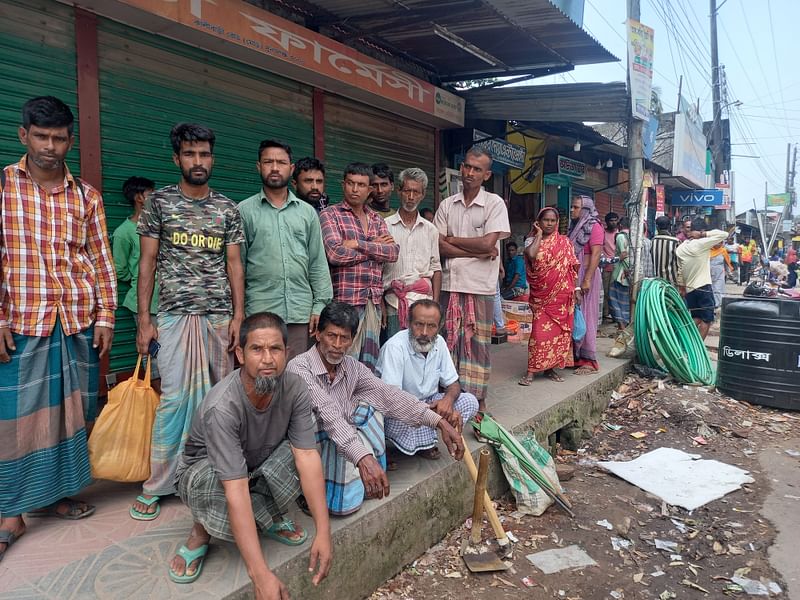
<point>758,42</point>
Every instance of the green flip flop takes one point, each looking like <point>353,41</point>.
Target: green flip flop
<point>189,556</point>
<point>287,525</point>
<point>145,516</point>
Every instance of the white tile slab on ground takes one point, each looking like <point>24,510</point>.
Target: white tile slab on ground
<point>559,559</point>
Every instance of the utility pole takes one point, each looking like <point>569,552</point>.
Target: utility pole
<point>637,201</point>
<point>716,122</point>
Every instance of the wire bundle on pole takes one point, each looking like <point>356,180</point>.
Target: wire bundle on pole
<point>662,322</point>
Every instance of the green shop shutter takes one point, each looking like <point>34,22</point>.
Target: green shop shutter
<point>37,43</point>
<point>147,84</point>
<point>357,132</point>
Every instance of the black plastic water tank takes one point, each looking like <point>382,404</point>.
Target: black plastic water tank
<point>759,351</point>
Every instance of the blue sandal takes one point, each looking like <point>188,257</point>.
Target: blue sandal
<point>189,556</point>
<point>146,516</point>
<point>274,532</point>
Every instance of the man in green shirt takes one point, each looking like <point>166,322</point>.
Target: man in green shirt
<point>286,270</point>
<point>126,248</point>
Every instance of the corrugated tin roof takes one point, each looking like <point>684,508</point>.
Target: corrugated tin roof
<point>575,102</point>
<point>521,37</point>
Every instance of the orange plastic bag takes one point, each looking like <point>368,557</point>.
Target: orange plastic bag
<point>119,446</point>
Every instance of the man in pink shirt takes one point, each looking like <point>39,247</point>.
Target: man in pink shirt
<point>609,251</point>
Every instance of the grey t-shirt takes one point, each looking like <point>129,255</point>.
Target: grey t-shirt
<point>237,437</point>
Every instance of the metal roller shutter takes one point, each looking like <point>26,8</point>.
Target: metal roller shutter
<point>357,132</point>
<point>37,43</point>
<point>149,83</point>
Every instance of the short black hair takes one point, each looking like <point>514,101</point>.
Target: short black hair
<point>699,224</point>
<point>512,243</point>
<point>425,303</point>
<point>190,132</point>
<point>357,168</point>
<point>425,211</point>
<point>339,314</point>
<point>47,111</point>
<point>662,223</point>
<point>307,163</point>
<point>383,171</point>
<point>611,215</point>
<point>624,223</point>
<point>136,185</point>
<point>262,320</point>
<point>274,144</point>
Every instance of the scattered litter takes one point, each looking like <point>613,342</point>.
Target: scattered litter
<point>620,544</point>
<point>676,557</point>
<point>751,586</point>
<point>694,586</point>
<point>667,595</point>
<point>638,435</point>
<point>793,453</point>
<point>679,526</point>
<point>558,559</point>
<point>517,515</point>
<point>666,545</point>
<point>616,594</point>
<point>606,524</point>
<point>512,537</point>
<point>774,587</point>
<point>453,575</point>
<point>612,426</point>
<point>528,582</point>
<point>679,478</point>
<point>700,440</point>
<point>638,578</point>
<point>658,573</point>
<point>747,452</point>
<point>790,497</point>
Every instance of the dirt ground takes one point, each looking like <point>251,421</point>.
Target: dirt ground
<point>705,549</point>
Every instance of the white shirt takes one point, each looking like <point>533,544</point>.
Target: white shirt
<point>418,258</point>
<point>693,258</point>
<point>415,373</point>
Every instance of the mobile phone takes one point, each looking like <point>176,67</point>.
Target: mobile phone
<point>153,348</point>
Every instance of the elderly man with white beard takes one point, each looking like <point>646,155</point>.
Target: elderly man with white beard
<point>417,361</point>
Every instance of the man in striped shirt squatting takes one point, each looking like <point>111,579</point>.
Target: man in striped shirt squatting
<point>358,244</point>
<point>350,404</point>
<point>58,294</point>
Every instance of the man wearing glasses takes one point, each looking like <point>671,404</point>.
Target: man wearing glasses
<point>417,274</point>
<point>358,244</point>
<point>471,225</point>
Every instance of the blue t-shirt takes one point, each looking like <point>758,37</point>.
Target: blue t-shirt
<point>516,265</point>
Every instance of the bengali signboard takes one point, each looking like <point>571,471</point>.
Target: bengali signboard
<point>701,198</point>
<point>660,197</point>
<point>778,199</point>
<point>500,150</point>
<point>258,30</point>
<point>571,168</point>
<point>640,68</point>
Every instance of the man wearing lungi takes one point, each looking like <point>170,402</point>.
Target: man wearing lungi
<point>471,224</point>
<point>350,404</point>
<point>58,294</point>
<point>418,362</point>
<point>191,235</point>
<point>251,450</point>
<point>358,244</point>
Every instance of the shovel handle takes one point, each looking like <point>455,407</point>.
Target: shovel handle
<point>480,490</point>
<point>491,514</point>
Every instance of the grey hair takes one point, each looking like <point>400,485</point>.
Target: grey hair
<point>414,174</point>
<point>477,151</point>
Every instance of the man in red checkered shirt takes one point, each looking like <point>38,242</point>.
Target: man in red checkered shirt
<point>357,243</point>
<point>57,300</point>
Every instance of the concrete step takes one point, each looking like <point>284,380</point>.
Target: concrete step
<point>111,557</point>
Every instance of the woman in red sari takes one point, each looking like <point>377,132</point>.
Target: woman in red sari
<point>552,271</point>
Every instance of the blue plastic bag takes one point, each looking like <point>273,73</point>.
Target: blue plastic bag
<point>579,326</point>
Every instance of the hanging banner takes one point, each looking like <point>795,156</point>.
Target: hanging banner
<point>530,178</point>
<point>571,168</point>
<point>499,149</point>
<point>660,196</point>
<point>777,199</point>
<point>640,68</point>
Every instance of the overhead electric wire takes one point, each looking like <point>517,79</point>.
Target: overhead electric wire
<point>775,56</point>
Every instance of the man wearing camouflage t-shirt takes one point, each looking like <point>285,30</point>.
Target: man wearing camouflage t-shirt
<point>190,234</point>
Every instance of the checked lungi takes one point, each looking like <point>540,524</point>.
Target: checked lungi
<point>344,489</point>
<point>366,343</point>
<point>48,392</point>
<point>410,440</point>
<point>274,485</point>
<point>193,358</point>
<point>471,349</point>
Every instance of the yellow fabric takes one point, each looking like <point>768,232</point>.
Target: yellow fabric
<point>119,447</point>
<point>534,159</point>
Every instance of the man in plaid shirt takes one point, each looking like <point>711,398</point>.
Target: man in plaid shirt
<point>357,243</point>
<point>58,294</point>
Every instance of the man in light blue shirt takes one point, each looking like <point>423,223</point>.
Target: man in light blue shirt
<point>418,361</point>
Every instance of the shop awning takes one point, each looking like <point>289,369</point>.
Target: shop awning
<point>575,102</point>
<point>455,40</point>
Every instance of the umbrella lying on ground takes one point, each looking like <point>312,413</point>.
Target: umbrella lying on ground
<point>486,427</point>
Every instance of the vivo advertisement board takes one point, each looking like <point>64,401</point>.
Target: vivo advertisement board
<point>697,198</point>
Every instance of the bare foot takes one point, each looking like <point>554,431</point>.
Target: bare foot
<point>197,537</point>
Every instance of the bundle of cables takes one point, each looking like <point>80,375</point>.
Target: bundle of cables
<point>663,323</point>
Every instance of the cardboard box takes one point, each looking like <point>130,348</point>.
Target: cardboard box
<point>524,332</point>
<point>517,311</point>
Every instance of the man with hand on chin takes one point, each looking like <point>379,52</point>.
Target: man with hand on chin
<point>350,404</point>
<point>251,438</point>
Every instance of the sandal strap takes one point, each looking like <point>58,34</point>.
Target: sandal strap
<point>189,556</point>
<point>148,501</point>
<point>284,525</point>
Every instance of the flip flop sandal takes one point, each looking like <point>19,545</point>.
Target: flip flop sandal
<point>289,526</point>
<point>74,510</point>
<point>148,502</point>
<point>526,380</point>
<point>430,454</point>
<point>553,376</point>
<point>8,538</point>
<point>189,556</point>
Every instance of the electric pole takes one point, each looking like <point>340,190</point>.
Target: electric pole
<point>637,201</point>
<point>716,122</point>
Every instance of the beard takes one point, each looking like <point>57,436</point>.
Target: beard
<point>275,184</point>
<point>265,385</point>
<point>48,163</point>
<point>196,177</point>
<point>420,344</point>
